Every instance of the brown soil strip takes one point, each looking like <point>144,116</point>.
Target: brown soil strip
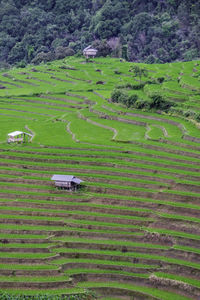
<point>106,200</point>
<point>192,257</point>
<point>156,196</point>
<point>59,99</point>
<point>102,156</point>
<point>101,227</point>
<point>94,163</point>
<point>27,241</point>
<point>173,286</point>
<point>40,80</point>
<point>47,104</point>
<point>97,235</point>
<point>36,285</point>
<point>5,272</point>
<point>18,80</point>
<point>10,83</point>
<point>117,191</point>
<point>33,222</point>
<point>66,100</point>
<point>179,125</point>
<point>110,277</point>
<point>89,175</point>
<point>77,216</point>
<point>19,117</point>
<point>191,138</point>
<point>109,117</point>
<point>25,111</point>
<point>157,148</point>
<point>98,180</point>
<point>24,250</point>
<point>63,80</point>
<point>123,293</point>
<point>181,145</point>
<point>179,226</point>
<point>108,247</point>
<point>106,267</point>
<point>183,270</point>
<point>176,286</point>
<point>72,77</point>
<point>86,208</point>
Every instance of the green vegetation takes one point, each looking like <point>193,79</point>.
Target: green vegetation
<point>77,296</point>
<point>136,216</point>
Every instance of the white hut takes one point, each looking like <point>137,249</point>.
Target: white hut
<point>90,52</point>
<point>69,182</point>
<point>17,136</point>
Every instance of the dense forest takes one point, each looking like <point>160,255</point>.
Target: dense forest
<point>137,30</point>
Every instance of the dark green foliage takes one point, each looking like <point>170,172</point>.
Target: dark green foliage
<point>131,86</point>
<point>121,96</point>
<point>141,104</point>
<point>43,57</point>
<point>86,296</point>
<point>190,114</point>
<point>158,102</point>
<point>149,31</point>
<point>62,52</point>
<point>131,100</point>
<point>102,47</point>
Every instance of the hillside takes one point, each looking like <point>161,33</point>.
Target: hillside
<point>141,31</point>
<point>133,229</point>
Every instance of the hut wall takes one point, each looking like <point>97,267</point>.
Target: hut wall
<point>66,184</point>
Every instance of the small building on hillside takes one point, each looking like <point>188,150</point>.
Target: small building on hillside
<point>90,52</point>
<point>18,137</point>
<point>69,182</point>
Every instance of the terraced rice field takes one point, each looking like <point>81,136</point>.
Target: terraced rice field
<point>133,230</point>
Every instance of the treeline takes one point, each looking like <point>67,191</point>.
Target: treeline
<point>155,31</point>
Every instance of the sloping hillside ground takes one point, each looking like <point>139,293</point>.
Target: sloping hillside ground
<point>133,230</point>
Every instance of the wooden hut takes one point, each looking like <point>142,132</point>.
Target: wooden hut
<point>90,52</point>
<point>18,137</point>
<point>69,182</point>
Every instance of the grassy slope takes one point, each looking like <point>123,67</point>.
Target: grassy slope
<point>139,213</point>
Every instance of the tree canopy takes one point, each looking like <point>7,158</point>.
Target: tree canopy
<point>145,31</point>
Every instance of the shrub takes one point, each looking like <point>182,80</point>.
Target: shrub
<point>103,47</point>
<point>121,96</point>
<point>131,86</point>
<point>43,57</point>
<point>158,102</point>
<point>62,52</point>
<point>130,101</point>
<point>118,96</point>
<point>140,104</point>
<point>198,117</point>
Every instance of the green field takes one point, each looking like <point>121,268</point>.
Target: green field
<point>132,231</point>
